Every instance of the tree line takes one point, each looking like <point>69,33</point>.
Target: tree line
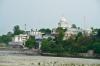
<point>73,45</point>
<point>8,37</point>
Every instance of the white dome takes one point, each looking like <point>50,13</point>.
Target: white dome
<point>63,19</point>
<point>64,23</point>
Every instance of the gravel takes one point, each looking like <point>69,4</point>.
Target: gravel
<point>8,58</point>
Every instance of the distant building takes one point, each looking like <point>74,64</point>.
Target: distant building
<point>19,40</point>
<point>72,32</point>
<point>36,34</point>
<point>87,32</point>
<point>65,24</point>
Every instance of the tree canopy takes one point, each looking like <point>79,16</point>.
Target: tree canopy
<point>81,43</point>
<point>74,26</point>
<point>17,30</point>
<point>45,31</point>
<point>5,39</point>
<point>30,43</point>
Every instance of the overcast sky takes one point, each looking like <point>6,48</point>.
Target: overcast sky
<point>46,13</point>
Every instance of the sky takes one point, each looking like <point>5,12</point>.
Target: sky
<point>38,14</point>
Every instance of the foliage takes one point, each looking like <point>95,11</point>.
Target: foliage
<point>96,47</point>
<point>45,45</point>
<point>81,44</point>
<point>30,43</point>
<point>8,37</point>
<point>74,26</point>
<point>45,31</point>
<point>5,39</point>
<point>60,34</point>
<point>98,33</point>
<point>10,34</point>
<point>17,30</point>
<point>49,45</point>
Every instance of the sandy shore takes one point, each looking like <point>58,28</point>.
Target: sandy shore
<point>24,60</point>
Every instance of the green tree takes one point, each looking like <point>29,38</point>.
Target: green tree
<point>17,30</point>
<point>98,33</point>
<point>96,47</point>
<point>45,31</point>
<point>30,43</point>
<point>59,49</point>
<point>48,31</point>
<point>60,34</point>
<point>48,45</point>
<point>74,26</point>
<point>45,45</point>
<point>10,34</point>
<point>5,39</point>
<point>78,35</point>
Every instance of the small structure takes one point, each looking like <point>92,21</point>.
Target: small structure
<point>19,40</point>
<point>36,34</point>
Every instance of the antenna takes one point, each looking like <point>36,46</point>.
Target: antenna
<point>25,28</point>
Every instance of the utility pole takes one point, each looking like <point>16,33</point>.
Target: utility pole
<point>24,40</point>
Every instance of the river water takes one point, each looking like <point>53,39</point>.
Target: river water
<point>15,58</point>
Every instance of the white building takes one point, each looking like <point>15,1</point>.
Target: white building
<point>36,34</point>
<point>72,32</point>
<point>19,40</point>
<point>64,23</point>
<point>88,32</point>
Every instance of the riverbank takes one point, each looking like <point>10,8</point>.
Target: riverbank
<point>46,61</point>
<point>8,58</point>
<point>36,52</point>
<point>78,55</point>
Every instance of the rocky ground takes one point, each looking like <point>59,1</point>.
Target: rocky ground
<point>14,58</point>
